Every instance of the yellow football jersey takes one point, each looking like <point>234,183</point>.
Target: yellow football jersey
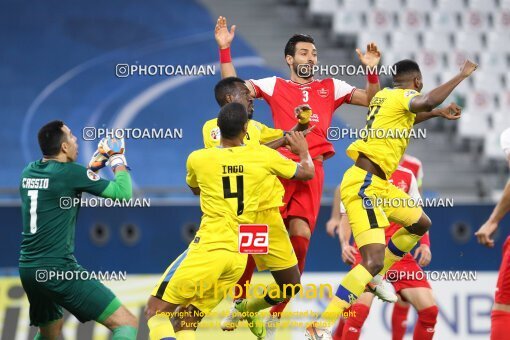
<point>230,182</point>
<point>272,190</point>
<point>386,134</point>
<point>257,133</point>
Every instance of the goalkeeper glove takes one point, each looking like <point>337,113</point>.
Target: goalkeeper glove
<point>114,148</point>
<point>99,158</point>
<point>110,146</point>
<point>98,161</point>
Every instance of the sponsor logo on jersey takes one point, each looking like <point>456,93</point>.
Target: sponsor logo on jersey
<point>314,118</point>
<point>215,133</point>
<point>92,175</point>
<point>409,93</point>
<point>323,92</point>
<point>253,238</point>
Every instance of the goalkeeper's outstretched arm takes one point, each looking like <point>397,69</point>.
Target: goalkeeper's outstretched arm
<point>121,187</point>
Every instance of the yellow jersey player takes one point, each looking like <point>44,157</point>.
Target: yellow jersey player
<point>227,178</point>
<point>234,90</point>
<point>280,259</point>
<point>371,200</point>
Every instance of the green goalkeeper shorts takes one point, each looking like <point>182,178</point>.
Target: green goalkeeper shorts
<point>86,299</point>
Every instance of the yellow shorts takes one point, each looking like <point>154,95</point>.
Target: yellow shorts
<point>372,202</point>
<point>281,253</point>
<point>201,277</point>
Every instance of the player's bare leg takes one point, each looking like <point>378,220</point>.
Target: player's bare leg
<point>50,331</point>
<point>158,314</point>
<point>404,240</point>
<point>399,318</point>
<point>122,323</point>
<point>422,300</point>
<point>372,258</point>
<point>400,244</point>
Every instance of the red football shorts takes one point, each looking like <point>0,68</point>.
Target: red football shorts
<point>404,274</point>
<point>408,274</point>
<point>303,198</point>
<point>503,286</point>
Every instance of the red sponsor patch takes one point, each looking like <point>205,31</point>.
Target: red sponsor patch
<point>253,238</point>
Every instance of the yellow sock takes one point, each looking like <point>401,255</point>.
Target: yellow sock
<point>160,327</point>
<point>273,297</point>
<point>333,311</point>
<point>400,244</point>
<point>350,288</point>
<point>186,335</point>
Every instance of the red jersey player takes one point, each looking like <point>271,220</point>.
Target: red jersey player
<point>500,316</point>
<point>413,164</point>
<point>302,200</point>
<point>406,276</point>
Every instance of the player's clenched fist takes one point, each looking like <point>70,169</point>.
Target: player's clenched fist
<point>349,254</point>
<point>297,142</point>
<point>484,234</point>
<point>468,68</point>
<point>222,35</point>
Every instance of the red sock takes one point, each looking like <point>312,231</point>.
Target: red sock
<point>300,245</point>
<point>424,328</point>
<point>354,322</point>
<point>499,324</point>
<point>340,328</point>
<point>399,321</point>
<point>248,273</point>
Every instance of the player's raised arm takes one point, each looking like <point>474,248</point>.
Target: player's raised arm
<point>484,234</point>
<point>191,177</point>
<point>334,221</point>
<point>429,101</point>
<point>344,236</point>
<point>370,59</point>
<point>224,38</point>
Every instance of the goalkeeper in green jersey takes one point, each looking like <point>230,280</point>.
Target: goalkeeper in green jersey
<point>48,189</point>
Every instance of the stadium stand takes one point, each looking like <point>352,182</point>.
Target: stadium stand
<point>440,35</point>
